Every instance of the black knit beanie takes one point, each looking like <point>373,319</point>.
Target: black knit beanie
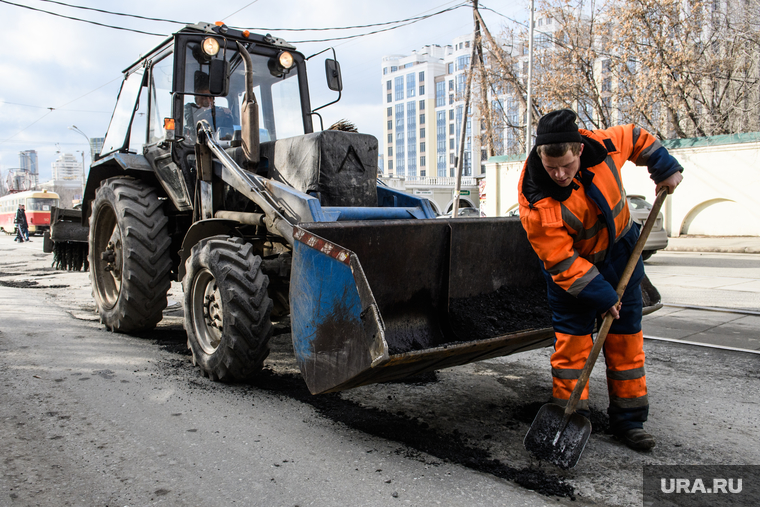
<point>558,127</point>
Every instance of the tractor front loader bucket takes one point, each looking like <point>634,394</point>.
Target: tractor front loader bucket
<point>374,301</point>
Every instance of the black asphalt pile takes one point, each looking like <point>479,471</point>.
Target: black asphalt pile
<point>507,310</point>
<point>411,433</point>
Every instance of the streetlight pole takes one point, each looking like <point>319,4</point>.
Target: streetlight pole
<point>84,179</point>
<point>528,119</point>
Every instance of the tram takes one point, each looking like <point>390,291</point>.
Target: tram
<point>37,203</point>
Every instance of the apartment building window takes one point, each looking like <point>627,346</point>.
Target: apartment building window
<point>450,68</point>
<point>389,111</point>
<point>451,98</point>
<point>389,85</point>
<point>394,68</point>
<point>422,119</point>
<point>422,133</point>
<point>440,94</point>
<point>461,83</point>
<point>390,138</point>
<point>422,147</point>
<point>410,85</point>
<point>411,115</point>
<point>451,141</point>
<point>390,165</point>
<point>451,114</point>
<point>422,105</point>
<point>390,151</point>
<point>421,76</point>
<point>390,97</point>
<point>399,87</point>
<point>606,66</point>
<point>390,124</point>
<point>451,129</point>
<point>463,62</point>
<point>441,143</point>
<point>422,90</point>
<point>400,117</point>
<point>385,70</point>
<point>451,85</point>
<point>422,162</point>
<point>607,84</point>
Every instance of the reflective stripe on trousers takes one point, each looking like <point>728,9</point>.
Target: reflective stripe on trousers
<point>624,355</point>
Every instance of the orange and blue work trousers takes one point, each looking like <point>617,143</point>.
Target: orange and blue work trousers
<point>574,321</point>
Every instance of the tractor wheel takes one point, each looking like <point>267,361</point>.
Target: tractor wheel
<point>227,309</point>
<point>129,256</point>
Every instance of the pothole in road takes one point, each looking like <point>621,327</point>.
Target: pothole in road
<point>28,284</point>
<point>412,432</point>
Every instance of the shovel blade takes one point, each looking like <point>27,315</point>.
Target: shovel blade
<point>540,438</point>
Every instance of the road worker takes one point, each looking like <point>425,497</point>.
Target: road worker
<point>573,207</point>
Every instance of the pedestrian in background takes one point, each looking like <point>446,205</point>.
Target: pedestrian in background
<point>574,210</point>
<point>22,227</point>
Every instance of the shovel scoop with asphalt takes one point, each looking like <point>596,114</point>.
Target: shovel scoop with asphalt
<point>558,434</point>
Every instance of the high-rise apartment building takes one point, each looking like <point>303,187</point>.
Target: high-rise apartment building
<point>28,163</point>
<point>423,96</point>
<point>67,167</point>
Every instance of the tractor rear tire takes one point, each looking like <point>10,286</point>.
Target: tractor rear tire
<point>130,265</point>
<point>227,309</point>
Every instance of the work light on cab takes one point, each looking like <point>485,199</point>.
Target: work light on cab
<point>286,60</point>
<point>210,46</point>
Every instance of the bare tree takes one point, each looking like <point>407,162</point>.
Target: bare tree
<point>680,68</point>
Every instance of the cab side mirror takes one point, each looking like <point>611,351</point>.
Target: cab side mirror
<point>334,79</point>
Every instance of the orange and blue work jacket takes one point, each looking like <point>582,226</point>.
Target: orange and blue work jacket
<point>574,229</point>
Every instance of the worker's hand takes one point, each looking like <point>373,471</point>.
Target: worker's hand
<point>614,311</point>
<point>671,183</point>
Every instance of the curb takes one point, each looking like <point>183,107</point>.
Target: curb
<point>686,247</point>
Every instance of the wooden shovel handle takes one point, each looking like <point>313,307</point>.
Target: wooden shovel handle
<point>607,323</point>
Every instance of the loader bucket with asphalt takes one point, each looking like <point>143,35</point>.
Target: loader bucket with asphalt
<point>384,300</point>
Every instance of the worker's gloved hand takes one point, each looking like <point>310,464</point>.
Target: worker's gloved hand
<point>671,182</point>
<point>614,311</point>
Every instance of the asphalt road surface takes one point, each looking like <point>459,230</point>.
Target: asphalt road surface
<point>89,417</point>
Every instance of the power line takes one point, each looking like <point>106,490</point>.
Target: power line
<point>83,20</point>
<point>117,13</point>
<point>384,23</point>
<point>413,20</point>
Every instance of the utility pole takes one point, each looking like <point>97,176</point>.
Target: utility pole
<point>529,109</point>
<point>463,135</point>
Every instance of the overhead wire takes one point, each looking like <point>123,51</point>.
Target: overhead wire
<point>401,24</point>
<point>83,20</point>
<point>104,11</point>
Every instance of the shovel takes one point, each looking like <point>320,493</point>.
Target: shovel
<point>558,434</point>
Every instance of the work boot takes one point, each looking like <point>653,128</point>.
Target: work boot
<point>637,439</point>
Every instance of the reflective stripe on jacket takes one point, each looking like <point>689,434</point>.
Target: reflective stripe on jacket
<point>572,229</point>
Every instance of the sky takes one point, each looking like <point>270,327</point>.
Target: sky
<point>60,73</point>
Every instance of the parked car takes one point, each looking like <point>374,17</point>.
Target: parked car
<point>639,207</point>
<point>658,238</point>
<point>466,212</point>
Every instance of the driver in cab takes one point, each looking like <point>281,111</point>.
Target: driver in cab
<point>203,108</point>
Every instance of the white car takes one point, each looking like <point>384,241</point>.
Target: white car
<point>658,238</point>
